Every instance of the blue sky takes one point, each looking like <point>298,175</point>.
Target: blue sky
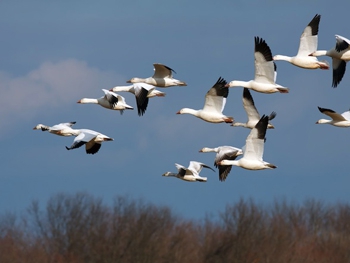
<point>55,53</point>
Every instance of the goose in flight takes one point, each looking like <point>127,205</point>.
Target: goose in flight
<point>61,129</point>
<point>215,101</point>
<point>110,100</point>
<point>252,112</point>
<point>190,174</point>
<point>265,71</point>
<point>142,92</point>
<point>338,120</point>
<point>254,149</point>
<point>308,44</point>
<point>91,139</point>
<point>340,54</point>
<point>162,77</point>
<point>223,152</point>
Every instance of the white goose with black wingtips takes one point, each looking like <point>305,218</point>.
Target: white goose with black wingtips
<point>307,45</point>
<point>215,100</point>
<point>254,149</point>
<point>338,120</point>
<point>61,129</point>
<point>340,54</point>
<point>142,92</point>
<point>91,139</point>
<point>191,173</point>
<point>265,71</point>
<point>162,77</point>
<point>110,100</point>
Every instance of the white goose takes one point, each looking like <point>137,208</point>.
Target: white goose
<point>110,100</point>
<point>252,112</point>
<point>91,139</point>
<point>223,152</point>
<point>215,101</point>
<point>308,44</point>
<point>254,149</point>
<point>142,92</point>
<point>61,129</point>
<point>190,174</point>
<point>162,77</point>
<point>338,120</point>
<point>340,54</point>
<point>265,71</point>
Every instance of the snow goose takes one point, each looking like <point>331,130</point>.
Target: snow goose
<point>215,101</point>
<point>252,112</point>
<point>308,44</point>
<point>110,100</point>
<point>254,149</point>
<point>223,152</point>
<point>265,71</point>
<point>190,174</point>
<point>62,129</point>
<point>91,139</point>
<point>340,54</point>
<point>162,77</point>
<point>338,120</point>
<point>142,92</point>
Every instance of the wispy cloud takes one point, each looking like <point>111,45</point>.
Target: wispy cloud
<point>52,85</point>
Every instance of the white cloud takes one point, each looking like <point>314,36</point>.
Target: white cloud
<point>51,86</point>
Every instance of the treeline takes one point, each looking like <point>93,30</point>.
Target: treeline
<point>81,228</point>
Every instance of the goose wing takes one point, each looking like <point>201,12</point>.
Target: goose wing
<point>141,95</point>
<point>346,115</point>
<point>196,167</point>
<point>342,43</point>
<point>215,99</point>
<point>331,113</point>
<point>63,125</point>
<point>225,153</point>
<point>111,97</point>
<point>264,65</point>
<point>162,71</point>
<point>339,67</point>
<point>182,170</point>
<point>254,147</point>
<point>309,38</point>
<point>249,106</point>
<point>84,137</point>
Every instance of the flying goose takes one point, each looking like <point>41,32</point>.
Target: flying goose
<point>215,101</point>
<point>308,44</point>
<point>254,149</point>
<point>91,139</point>
<point>252,112</point>
<point>162,77</point>
<point>142,92</point>
<point>110,100</point>
<point>190,174</point>
<point>338,120</point>
<point>62,129</point>
<point>223,152</point>
<point>340,54</point>
<point>265,71</point>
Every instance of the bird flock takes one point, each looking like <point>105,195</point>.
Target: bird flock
<point>264,81</point>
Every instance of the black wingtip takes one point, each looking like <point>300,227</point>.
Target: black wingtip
<point>322,110</point>
<point>262,47</point>
<point>221,81</point>
<point>314,24</point>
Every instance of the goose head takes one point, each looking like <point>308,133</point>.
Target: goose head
<point>38,127</point>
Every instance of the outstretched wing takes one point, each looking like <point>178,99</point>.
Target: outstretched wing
<point>162,71</point>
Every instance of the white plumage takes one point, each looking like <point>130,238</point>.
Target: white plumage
<point>190,174</point>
